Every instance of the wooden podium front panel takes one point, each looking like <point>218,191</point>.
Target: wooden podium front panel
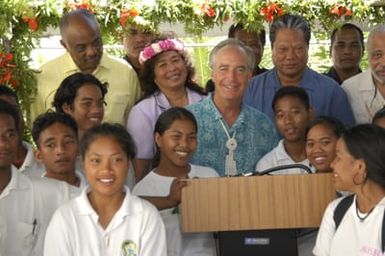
<point>251,203</point>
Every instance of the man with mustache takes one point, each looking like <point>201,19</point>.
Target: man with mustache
<point>346,51</point>
<point>290,39</point>
<point>366,91</point>
<point>82,39</point>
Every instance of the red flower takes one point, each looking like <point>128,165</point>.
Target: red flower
<point>32,23</point>
<point>6,69</point>
<point>207,10</point>
<point>269,12</point>
<point>340,10</point>
<point>126,14</point>
<point>84,4</point>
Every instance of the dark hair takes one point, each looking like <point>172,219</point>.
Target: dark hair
<point>332,123</point>
<point>83,13</point>
<point>378,115</point>
<point>47,119</point>
<point>167,118</point>
<point>69,87</point>
<point>366,142</point>
<point>7,91</point>
<point>117,131</point>
<point>7,109</point>
<point>239,26</point>
<point>346,26</point>
<point>293,91</point>
<point>147,75</point>
<point>290,21</point>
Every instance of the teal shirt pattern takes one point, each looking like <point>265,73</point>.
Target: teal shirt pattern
<point>255,135</point>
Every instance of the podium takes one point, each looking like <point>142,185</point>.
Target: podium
<point>256,203</point>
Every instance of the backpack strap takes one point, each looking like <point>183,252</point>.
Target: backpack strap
<point>383,234</point>
<point>342,207</point>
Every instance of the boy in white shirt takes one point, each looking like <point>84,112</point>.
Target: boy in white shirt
<point>292,114</point>
<point>24,160</point>
<point>26,204</point>
<point>56,137</point>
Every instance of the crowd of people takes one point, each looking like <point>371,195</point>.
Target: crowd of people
<point>117,139</point>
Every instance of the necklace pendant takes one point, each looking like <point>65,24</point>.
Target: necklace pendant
<point>231,144</point>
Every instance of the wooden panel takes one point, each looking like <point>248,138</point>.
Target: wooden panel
<point>262,202</point>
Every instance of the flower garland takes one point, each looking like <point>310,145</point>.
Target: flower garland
<point>155,48</point>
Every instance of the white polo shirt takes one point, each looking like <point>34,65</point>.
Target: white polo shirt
<point>353,236</point>
<point>135,229</point>
<point>26,207</point>
<point>74,191</point>
<point>277,157</point>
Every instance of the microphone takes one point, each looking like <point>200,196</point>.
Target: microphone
<point>276,168</point>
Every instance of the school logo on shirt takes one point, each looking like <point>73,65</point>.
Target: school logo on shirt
<point>129,248</point>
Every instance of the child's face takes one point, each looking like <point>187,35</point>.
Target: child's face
<point>380,122</point>
<point>9,140</point>
<point>87,108</point>
<point>58,149</point>
<point>106,165</point>
<point>321,147</point>
<point>177,143</point>
<point>291,118</point>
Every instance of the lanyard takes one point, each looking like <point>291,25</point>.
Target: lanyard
<point>231,145</point>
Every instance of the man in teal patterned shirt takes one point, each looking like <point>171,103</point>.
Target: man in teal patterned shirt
<point>232,136</point>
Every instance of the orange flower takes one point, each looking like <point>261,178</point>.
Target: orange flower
<point>6,69</point>
<point>341,10</point>
<point>127,14</point>
<point>84,4</point>
<point>32,23</point>
<point>207,10</point>
<point>269,12</point>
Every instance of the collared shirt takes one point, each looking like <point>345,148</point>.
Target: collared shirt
<point>143,116</point>
<point>74,191</point>
<point>326,97</point>
<point>254,132</point>
<point>123,85</point>
<point>30,166</point>
<point>26,207</point>
<point>135,229</point>
<point>277,157</point>
<point>364,97</point>
<point>333,74</point>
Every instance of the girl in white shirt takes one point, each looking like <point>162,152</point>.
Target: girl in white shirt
<point>106,219</point>
<point>176,139</point>
<point>359,167</point>
<point>321,139</point>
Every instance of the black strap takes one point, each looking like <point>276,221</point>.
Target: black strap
<point>341,209</point>
<point>382,235</point>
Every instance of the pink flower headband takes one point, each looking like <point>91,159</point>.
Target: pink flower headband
<point>166,45</point>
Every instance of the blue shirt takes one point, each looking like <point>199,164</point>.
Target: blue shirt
<point>325,95</point>
<point>255,136</point>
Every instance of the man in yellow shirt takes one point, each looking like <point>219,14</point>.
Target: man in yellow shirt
<point>82,39</point>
